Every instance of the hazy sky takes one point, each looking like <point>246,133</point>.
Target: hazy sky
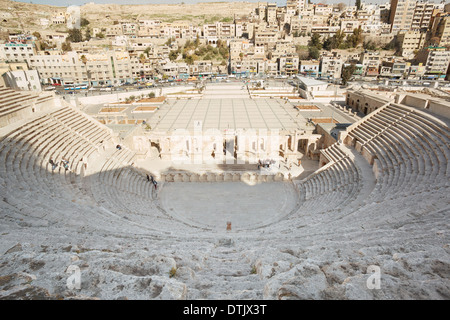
<point>279,2</point>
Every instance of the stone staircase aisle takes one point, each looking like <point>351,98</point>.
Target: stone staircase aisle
<point>227,275</point>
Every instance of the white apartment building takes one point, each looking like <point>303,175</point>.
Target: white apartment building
<point>105,68</point>
<point>220,30</point>
<point>17,52</point>
<point>331,66</point>
<point>371,61</point>
<point>27,80</point>
<point>436,61</point>
<point>323,9</point>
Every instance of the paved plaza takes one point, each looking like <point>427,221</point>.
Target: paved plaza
<point>212,205</point>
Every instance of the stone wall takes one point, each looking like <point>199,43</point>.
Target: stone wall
<point>248,177</point>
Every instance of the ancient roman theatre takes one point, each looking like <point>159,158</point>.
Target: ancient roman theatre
<point>222,193</point>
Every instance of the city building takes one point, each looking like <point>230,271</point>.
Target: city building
<point>436,61</point>
<point>401,15</point>
<point>411,41</point>
<point>26,80</point>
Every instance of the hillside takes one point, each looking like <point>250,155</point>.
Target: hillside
<point>16,16</point>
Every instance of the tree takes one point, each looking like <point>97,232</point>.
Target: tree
<point>358,4</point>
<point>75,35</point>
<point>315,41</point>
<point>151,95</point>
<point>66,46</point>
<point>173,55</point>
<point>142,58</point>
<point>87,34</point>
<point>197,41</point>
<point>37,35</point>
<point>339,38</point>
<point>169,41</point>
<point>355,39</point>
<point>347,73</point>
<point>370,45</point>
<point>84,22</point>
<point>434,41</point>
<point>314,53</point>
<point>189,60</point>
<point>100,35</point>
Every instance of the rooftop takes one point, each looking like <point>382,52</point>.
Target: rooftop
<point>227,114</point>
<point>311,82</point>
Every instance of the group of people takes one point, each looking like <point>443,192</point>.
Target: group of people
<point>63,163</point>
<point>265,163</point>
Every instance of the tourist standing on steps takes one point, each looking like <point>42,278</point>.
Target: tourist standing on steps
<point>65,164</point>
<point>54,165</point>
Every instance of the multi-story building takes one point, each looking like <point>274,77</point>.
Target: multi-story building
<point>261,11</point>
<point>385,10</point>
<point>443,31</point>
<point>240,48</point>
<point>113,31</point>
<point>436,61</point>
<point>271,13</point>
<point>288,64</point>
<point>348,25</point>
<point>130,29</point>
<point>243,28</point>
<point>110,67</point>
<point>395,69</point>
<point>149,28</point>
<point>27,80</point>
<point>299,5</point>
<point>323,9</point>
<point>422,16</point>
<point>17,51</point>
<point>371,61</point>
<point>271,68</point>
<point>331,66</point>
<point>266,38</point>
<point>401,15</point>
<point>309,67</point>
<point>411,41</point>
<point>248,66</point>
<point>220,30</point>
<point>416,71</point>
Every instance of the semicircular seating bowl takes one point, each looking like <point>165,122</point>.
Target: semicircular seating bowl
<point>390,170</point>
<point>409,149</point>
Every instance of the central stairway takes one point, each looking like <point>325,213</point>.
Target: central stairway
<point>227,275</point>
